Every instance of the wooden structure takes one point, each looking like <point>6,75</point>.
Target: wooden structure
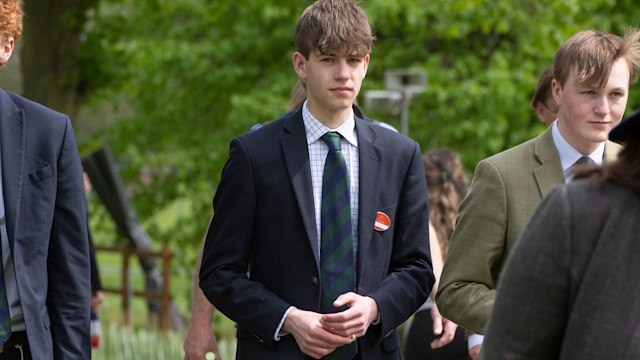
<point>126,290</point>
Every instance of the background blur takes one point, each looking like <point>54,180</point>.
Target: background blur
<point>166,84</point>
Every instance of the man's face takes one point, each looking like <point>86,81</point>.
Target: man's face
<point>6,48</point>
<point>587,113</point>
<point>332,81</point>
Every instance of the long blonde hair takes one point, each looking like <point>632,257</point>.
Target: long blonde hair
<point>447,185</point>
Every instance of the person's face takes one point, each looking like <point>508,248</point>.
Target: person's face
<point>547,111</point>
<point>587,113</point>
<point>332,83</point>
<point>6,44</point>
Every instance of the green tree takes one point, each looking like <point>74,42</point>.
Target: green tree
<point>186,76</point>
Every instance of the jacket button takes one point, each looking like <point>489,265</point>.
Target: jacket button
<point>314,281</point>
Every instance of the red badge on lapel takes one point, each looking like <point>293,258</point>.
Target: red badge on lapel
<point>382,221</point>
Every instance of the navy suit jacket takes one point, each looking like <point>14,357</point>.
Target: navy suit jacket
<point>261,252</point>
<point>46,224</point>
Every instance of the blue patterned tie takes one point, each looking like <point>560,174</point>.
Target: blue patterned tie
<point>337,269</point>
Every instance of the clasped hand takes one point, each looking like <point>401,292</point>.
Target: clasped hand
<point>320,334</point>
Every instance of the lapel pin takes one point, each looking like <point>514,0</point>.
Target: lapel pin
<point>382,221</point>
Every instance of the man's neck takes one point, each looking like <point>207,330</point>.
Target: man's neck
<point>329,117</point>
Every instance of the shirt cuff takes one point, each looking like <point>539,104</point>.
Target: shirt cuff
<point>474,339</point>
<point>279,333</point>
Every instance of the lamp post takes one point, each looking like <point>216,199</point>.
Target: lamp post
<point>400,86</point>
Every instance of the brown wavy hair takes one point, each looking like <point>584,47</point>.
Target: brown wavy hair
<point>447,185</point>
<point>11,18</point>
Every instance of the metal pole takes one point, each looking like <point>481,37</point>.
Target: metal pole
<point>404,116</point>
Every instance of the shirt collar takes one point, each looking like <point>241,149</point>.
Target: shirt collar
<point>315,129</point>
<point>568,154</point>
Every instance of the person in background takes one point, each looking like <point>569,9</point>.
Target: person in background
<point>45,273</point>
<point>547,112</point>
<point>447,184</point>
<point>583,237</point>
<point>542,101</point>
<point>200,338</point>
<point>311,251</point>
<point>592,74</point>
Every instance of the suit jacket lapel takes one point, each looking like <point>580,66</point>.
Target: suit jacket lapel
<point>370,157</point>
<point>611,150</point>
<point>12,147</point>
<point>296,155</point>
<point>549,173</point>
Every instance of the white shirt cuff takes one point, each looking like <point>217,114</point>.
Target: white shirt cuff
<point>278,334</point>
<point>474,339</point>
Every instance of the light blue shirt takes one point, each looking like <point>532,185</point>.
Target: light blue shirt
<point>569,155</point>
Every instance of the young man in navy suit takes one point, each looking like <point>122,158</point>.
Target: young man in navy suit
<point>44,312</point>
<point>264,249</point>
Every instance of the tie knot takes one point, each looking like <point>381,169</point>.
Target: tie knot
<point>584,160</point>
<point>332,139</point>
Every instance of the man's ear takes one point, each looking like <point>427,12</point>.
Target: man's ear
<point>299,65</point>
<point>7,49</point>
<point>556,91</point>
<point>367,58</point>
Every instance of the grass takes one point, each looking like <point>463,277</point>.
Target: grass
<point>125,343</point>
<point>141,340</point>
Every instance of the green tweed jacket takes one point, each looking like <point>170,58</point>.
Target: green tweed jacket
<point>505,192</point>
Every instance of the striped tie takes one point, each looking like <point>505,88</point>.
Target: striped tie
<point>337,268</point>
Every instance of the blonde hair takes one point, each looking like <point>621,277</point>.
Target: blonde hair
<point>297,97</point>
<point>592,53</point>
<point>447,185</point>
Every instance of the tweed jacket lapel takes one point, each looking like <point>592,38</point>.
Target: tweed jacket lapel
<point>548,173</point>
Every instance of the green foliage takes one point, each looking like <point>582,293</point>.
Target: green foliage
<point>121,343</point>
<point>483,60</point>
<point>189,75</point>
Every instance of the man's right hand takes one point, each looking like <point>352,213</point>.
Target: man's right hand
<point>310,336</point>
<point>474,352</point>
<point>199,341</point>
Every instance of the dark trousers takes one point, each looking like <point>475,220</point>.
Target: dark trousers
<point>16,348</point>
<point>419,338</point>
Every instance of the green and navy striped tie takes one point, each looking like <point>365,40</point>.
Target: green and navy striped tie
<point>337,269</point>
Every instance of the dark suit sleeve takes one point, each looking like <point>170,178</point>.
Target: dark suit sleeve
<point>410,277</point>
<point>68,269</point>
<point>228,251</point>
<point>530,311</point>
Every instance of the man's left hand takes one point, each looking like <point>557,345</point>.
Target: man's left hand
<point>362,311</point>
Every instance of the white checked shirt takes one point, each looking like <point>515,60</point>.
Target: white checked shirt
<point>318,151</point>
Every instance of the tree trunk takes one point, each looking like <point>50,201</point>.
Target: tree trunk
<point>50,65</point>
